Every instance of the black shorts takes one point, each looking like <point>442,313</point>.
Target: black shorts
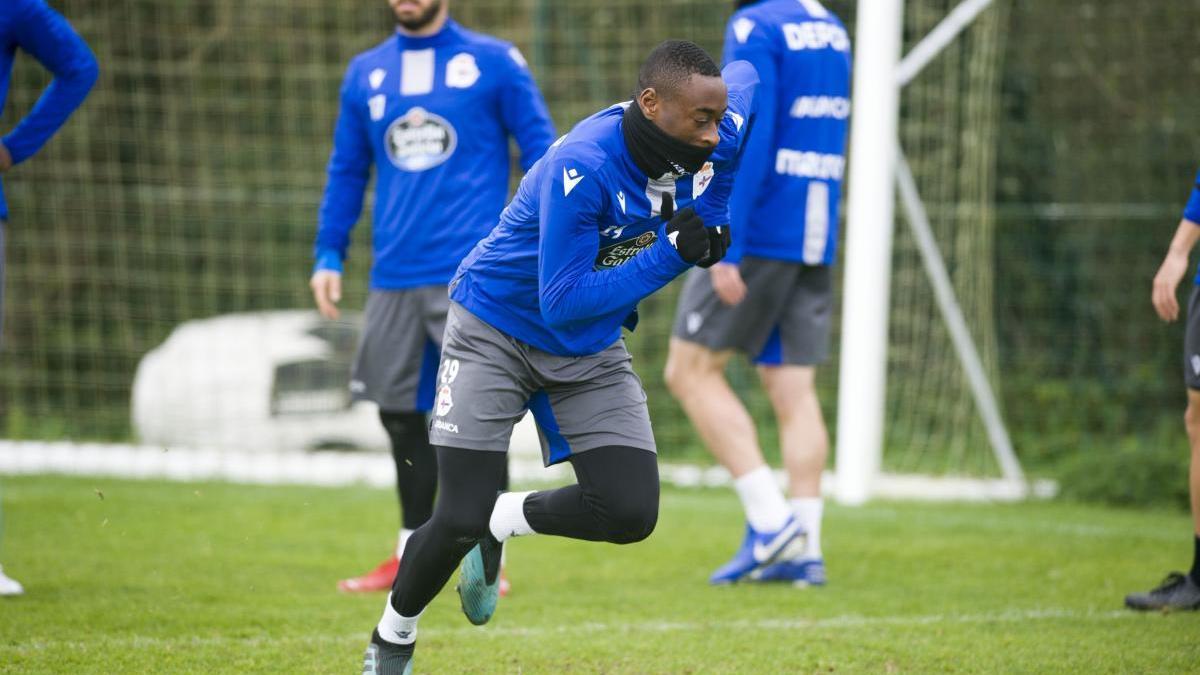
<point>1191,342</point>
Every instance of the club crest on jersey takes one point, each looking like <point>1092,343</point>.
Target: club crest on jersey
<point>622,252</point>
<point>445,400</point>
<point>419,140</point>
<point>462,71</point>
<point>702,180</point>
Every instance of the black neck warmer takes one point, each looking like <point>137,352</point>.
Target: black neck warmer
<point>655,152</point>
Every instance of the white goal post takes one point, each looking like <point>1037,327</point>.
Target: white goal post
<point>877,167</point>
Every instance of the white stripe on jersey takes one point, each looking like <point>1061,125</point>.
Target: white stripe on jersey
<point>655,187</point>
<point>416,71</point>
<point>816,223</point>
<point>814,9</point>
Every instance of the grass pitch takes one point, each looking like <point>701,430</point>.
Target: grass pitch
<point>168,577</point>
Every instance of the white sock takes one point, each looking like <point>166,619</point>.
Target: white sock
<point>508,516</point>
<point>762,500</point>
<point>809,510</point>
<point>401,540</point>
<point>396,629</point>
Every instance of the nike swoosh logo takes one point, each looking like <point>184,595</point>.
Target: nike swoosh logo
<point>570,183</point>
<point>764,552</point>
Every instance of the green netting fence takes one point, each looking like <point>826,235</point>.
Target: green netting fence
<point>1054,144</point>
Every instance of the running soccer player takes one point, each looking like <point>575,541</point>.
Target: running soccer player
<point>772,296</point>
<point>535,323</point>
<point>432,108</point>
<point>38,30</point>
<point>1178,590</point>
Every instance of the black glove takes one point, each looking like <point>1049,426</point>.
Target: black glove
<point>685,231</point>
<point>718,243</point>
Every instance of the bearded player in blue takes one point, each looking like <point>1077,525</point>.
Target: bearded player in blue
<point>629,199</point>
<point>432,109</point>
<point>38,30</point>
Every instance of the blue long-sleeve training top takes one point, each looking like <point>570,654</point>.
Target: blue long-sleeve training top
<point>785,201</point>
<point>35,28</point>
<point>1191,212</point>
<point>433,115</point>
<point>583,240</point>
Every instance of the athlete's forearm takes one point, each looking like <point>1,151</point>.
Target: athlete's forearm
<point>567,297</point>
<point>1186,236</point>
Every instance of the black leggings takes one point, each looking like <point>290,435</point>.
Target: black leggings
<point>416,466</point>
<point>616,500</point>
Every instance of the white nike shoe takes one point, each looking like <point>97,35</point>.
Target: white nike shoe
<point>9,586</point>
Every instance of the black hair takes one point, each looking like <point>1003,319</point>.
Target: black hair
<point>671,63</point>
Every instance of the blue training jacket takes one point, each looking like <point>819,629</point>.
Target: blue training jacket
<point>785,202</point>
<point>582,241</point>
<point>433,115</point>
<point>1192,212</point>
<point>35,28</point>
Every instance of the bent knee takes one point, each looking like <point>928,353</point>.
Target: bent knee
<point>462,523</point>
<point>631,525</point>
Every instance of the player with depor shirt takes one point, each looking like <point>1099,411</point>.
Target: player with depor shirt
<point>432,109</point>
<point>629,199</point>
<point>771,298</point>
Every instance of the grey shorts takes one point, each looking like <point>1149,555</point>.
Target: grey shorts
<point>398,351</point>
<point>487,380</point>
<point>784,320</point>
<point>1191,342</point>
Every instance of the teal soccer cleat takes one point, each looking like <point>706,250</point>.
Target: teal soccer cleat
<point>479,582</point>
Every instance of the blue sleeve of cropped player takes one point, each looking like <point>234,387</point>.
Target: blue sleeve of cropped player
<point>46,35</point>
<point>570,289</point>
<point>1192,210</point>
<point>756,157</point>
<point>742,83</point>
<point>348,172</point>
<point>525,114</point>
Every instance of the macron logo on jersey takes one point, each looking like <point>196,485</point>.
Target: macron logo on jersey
<point>571,178</point>
<point>742,29</point>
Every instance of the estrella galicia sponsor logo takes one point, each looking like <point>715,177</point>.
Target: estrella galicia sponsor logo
<point>623,251</point>
<point>419,140</point>
<point>443,425</point>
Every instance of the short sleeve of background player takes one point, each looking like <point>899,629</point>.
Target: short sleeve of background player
<point>572,204</point>
<point>757,155</point>
<point>46,35</point>
<point>524,111</point>
<point>1192,210</point>
<point>347,175</point>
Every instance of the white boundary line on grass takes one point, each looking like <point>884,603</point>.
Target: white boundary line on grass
<point>331,469</point>
<point>846,621</point>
